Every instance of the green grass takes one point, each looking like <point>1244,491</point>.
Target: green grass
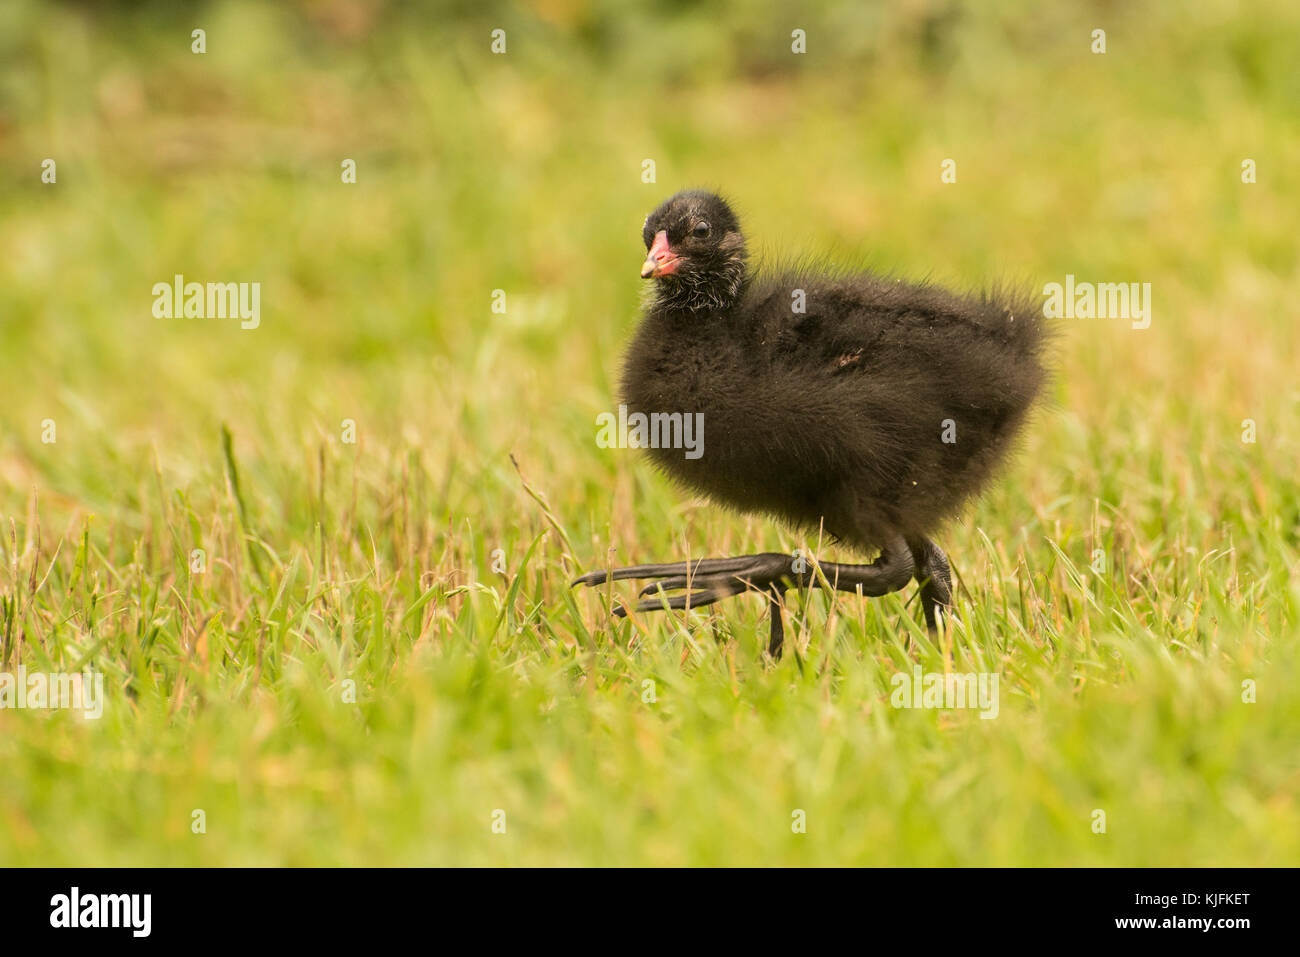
<point>477,691</point>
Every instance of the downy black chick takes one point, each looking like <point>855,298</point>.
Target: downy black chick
<point>867,406</point>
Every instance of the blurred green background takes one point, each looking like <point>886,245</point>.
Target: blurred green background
<point>482,689</point>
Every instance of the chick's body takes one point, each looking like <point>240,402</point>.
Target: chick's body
<point>867,404</point>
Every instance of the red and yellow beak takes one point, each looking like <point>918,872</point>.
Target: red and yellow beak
<point>661,261</point>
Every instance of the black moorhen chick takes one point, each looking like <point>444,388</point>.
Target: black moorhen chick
<point>869,406</point>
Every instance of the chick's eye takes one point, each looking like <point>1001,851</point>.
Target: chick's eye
<point>701,230</point>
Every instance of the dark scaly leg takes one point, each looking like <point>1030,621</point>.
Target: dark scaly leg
<point>708,580</point>
<point>776,632</point>
<point>934,576</point>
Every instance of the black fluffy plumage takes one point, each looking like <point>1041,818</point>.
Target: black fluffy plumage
<point>838,412</point>
<point>827,399</point>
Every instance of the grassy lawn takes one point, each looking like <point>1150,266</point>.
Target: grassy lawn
<point>332,613</point>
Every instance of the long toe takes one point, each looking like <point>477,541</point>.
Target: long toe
<point>761,567</point>
<point>693,599</point>
<point>632,571</point>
